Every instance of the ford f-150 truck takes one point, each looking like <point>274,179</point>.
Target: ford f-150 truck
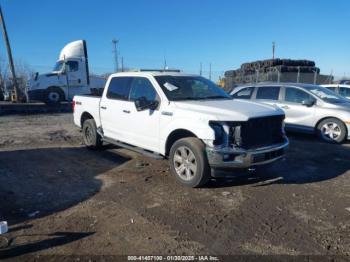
<point>184,118</point>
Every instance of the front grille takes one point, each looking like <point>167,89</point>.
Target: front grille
<point>262,131</point>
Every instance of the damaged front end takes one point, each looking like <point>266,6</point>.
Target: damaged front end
<point>257,141</point>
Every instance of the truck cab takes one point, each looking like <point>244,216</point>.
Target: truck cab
<point>69,77</point>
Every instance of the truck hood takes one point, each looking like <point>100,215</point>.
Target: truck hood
<point>229,110</point>
<point>39,81</point>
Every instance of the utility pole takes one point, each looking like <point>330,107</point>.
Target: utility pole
<point>273,50</point>
<point>209,71</point>
<point>165,66</point>
<point>298,75</point>
<point>315,77</point>
<point>200,69</point>
<point>115,51</point>
<point>9,54</point>
<point>122,64</point>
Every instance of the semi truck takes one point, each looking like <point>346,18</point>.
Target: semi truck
<point>69,77</point>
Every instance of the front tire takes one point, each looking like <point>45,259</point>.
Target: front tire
<point>189,163</point>
<point>54,96</point>
<point>91,138</point>
<point>332,130</point>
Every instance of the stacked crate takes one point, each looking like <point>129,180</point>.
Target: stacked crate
<point>283,70</point>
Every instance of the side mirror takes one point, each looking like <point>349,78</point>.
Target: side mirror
<point>308,103</point>
<point>142,104</point>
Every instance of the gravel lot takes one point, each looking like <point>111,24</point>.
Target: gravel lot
<point>61,199</point>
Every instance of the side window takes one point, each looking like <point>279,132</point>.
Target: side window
<point>119,88</point>
<point>268,92</point>
<point>142,87</point>
<point>245,93</point>
<point>344,91</point>
<point>295,95</point>
<point>72,66</point>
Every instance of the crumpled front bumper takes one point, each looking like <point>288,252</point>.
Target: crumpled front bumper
<point>230,158</point>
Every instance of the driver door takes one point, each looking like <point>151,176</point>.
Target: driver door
<point>143,125</point>
<point>76,79</point>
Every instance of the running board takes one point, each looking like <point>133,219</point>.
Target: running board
<point>133,148</point>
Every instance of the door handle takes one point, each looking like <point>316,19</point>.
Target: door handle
<point>285,107</point>
<point>126,111</point>
<point>103,107</point>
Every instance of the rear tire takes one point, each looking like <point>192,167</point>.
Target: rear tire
<point>188,162</point>
<point>91,138</point>
<point>332,130</point>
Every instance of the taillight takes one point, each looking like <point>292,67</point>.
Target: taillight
<point>73,105</point>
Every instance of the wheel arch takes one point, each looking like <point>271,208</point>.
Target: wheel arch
<point>176,135</point>
<point>85,116</point>
<point>326,117</point>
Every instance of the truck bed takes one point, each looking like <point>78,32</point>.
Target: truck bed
<point>86,105</point>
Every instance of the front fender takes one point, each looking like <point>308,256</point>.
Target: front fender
<point>200,128</point>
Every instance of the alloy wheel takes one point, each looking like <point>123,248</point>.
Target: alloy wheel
<point>185,163</point>
<point>330,131</point>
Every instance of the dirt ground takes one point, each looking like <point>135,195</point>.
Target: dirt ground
<point>62,199</point>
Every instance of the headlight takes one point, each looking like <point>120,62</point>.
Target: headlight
<point>227,133</point>
<point>219,132</point>
<point>283,127</point>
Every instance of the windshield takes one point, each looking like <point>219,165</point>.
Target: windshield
<point>325,94</point>
<point>58,66</point>
<point>190,88</point>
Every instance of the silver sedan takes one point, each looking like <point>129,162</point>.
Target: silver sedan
<point>308,108</point>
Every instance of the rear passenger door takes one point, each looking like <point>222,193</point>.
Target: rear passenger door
<point>114,112</point>
<point>298,115</point>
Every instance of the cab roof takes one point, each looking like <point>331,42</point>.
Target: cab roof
<point>151,73</point>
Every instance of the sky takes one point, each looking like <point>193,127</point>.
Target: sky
<point>225,33</point>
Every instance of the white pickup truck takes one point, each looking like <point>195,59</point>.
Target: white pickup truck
<point>184,118</point>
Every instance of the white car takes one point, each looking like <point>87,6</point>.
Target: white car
<point>343,90</point>
<point>185,118</point>
<point>308,108</point>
